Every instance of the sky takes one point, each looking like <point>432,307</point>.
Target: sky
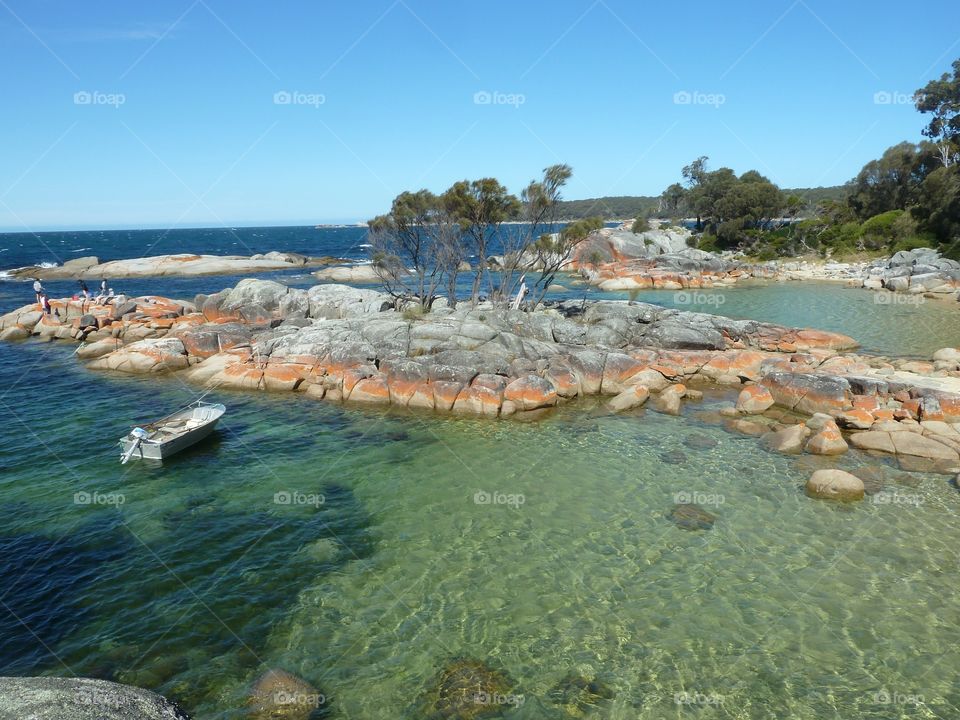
<point>209,112</point>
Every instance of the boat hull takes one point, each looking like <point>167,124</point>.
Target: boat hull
<point>164,447</point>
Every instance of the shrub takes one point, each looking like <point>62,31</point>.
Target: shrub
<point>914,242</point>
<point>881,226</point>
<point>709,243</point>
<point>640,225</point>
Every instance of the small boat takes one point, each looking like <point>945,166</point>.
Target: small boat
<point>166,436</point>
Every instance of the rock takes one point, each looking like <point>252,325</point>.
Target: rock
<point>123,309</point>
<point>828,441</point>
<point>630,398</point>
<point>689,516</point>
<point>81,263</point>
<point>365,274</point>
<point>754,399</point>
<point>673,457</point>
<point>468,689</point>
<point>50,698</point>
<point>279,695</point>
<point>834,485</point>
<point>98,348</point>
<point>748,427</point>
<point>15,332</point>
<point>809,394</point>
<point>698,441</point>
<point>818,421</point>
<point>788,441</point>
<point>873,440</point>
<point>255,292</point>
<point>948,354</point>
<point>856,419</point>
<point>578,695</point>
<point>145,356</point>
<point>668,401</point>
<point>531,392</point>
<point>909,443</point>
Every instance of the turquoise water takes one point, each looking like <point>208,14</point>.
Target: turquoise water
<point>200,579</point>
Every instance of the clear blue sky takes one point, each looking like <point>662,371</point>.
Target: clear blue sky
<point>385,100</point>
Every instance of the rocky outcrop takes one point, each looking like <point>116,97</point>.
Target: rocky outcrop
<point>361,273</point>
<point>345,344</point>
<point>50,698</point>
<point>180,264</point>
<point>916,271</point>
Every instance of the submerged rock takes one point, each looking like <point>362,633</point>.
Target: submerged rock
<point>673,457</point>
<point>689,516</point>
<point>578,695</point>
<point>279,695</point>
<point>697,441</point>
<point>467,689</point>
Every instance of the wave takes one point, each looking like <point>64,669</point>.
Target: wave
<point>81,250</point>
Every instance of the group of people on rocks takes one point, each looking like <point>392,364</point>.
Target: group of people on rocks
<point>43,300</point>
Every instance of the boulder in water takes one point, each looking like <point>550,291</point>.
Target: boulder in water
<point>279,695</point>
<point>579,696</point>
<point>834,485</point>
<point>690,516</point>
<point>467,689</point>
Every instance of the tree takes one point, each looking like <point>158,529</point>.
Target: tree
<point>480,207</point>
<point>553,251</point>
<point>892,181</point>
<point>539,202</point>
<point>941,98</point>
<point>938,206</point>
<point>695,172</point>
<point>672,199</point>
<point>407,244</point>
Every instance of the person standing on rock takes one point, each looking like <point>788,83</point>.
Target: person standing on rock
<point>84,289</point>
<point>44,303</point>
<point>38,290</point>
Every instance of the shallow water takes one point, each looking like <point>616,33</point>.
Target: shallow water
<point>388,561</point>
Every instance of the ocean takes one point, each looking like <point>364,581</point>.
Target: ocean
<point>191,578</point>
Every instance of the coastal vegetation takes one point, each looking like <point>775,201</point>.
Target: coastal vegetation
<point>906,199</point>
<point>426,241</point>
